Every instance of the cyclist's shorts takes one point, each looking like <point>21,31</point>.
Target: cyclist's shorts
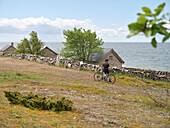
<point>106,71</point>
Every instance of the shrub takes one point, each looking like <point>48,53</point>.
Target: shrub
<point>34,101</point>
<point>18,74</point>
<point>66,66</point>
<point>7,52</point>
<point>61,64</point>
<point>82,69</point>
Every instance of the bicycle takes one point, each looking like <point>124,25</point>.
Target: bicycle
<point>109,78</point>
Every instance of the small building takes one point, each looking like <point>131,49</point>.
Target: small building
<point>109,53</point>
<point>9,48</point>
<point>49,52</point>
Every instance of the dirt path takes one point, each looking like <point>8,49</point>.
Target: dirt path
<point>99,104</point>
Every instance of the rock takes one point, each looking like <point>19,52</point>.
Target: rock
<point>38,60</point>
<point>1,53</point>
<point>105,123</point>
<point>81,62</point>
<point>69,65</point>
<point>57,63</point>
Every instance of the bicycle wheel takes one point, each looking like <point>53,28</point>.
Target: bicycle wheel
<point>110,79</point>
<point>98,76</point>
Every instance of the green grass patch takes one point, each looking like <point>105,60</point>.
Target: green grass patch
<point>86,89</point>
<point>122,75</point>
<point>82,69</point>
<point>144,80</point>
<point>61,65</point>
<point>9,76</point>
<point>156,83</point>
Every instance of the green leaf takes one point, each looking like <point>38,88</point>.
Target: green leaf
<point>139,14</point>
<point>162,23</point>
<point>165,38</point>
<point>155,20</point>
<point>154,29</point>
<point>162,30</point>
<point>147,14</point>
<point>142,20</point>
<point>148,32</point>
<point>136,27</point>
<point>159,9</point>
<point>154,43</point>
<point>132,34</point>
<point>146,10</point>
<point>161,5</point>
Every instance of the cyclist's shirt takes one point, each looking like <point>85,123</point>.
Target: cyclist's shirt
<point>106,66</point>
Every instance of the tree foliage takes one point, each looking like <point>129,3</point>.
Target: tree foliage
<point>81,44</point>
<point>150,24</point>
<point>31,46</point>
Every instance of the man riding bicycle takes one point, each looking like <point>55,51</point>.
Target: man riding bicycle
<point>106,68</point>
<point>109,78</point>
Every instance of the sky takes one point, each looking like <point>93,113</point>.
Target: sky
<point>108,18</point>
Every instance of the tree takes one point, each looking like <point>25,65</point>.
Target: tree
<point>81,44</point>
<point>150,24</point>
<point>31,46</point>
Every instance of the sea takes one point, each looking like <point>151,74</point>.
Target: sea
<point>134,54</point>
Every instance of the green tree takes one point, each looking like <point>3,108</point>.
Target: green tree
<point>151,24</point>
<point>31,46</point>
<point>81,44</point>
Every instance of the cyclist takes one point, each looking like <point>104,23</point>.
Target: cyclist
<point>106,68</point>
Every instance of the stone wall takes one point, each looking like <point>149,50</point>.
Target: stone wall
<point>148,74</point>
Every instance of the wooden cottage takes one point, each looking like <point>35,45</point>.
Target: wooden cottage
<point>49,52</point>
<point>9,48</point>
<point>109,53</point>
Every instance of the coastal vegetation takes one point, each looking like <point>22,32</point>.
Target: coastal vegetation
<point>81,44</point>
<point>31,46</point>
<point>33,101</point>
<point>95,104</point>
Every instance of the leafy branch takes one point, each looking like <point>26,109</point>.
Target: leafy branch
<point>149,24</point>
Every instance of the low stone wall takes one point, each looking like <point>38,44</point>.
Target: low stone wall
<point>148,74</point>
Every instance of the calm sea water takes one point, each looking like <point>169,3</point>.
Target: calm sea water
<point>135,55</point>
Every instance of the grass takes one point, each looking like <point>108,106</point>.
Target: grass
<point>9,76</point>
<point>143,80</point>
<point>95,104</point>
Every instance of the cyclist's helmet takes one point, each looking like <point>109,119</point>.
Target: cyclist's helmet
<point>106,59</point>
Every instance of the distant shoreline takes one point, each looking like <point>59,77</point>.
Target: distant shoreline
<point>136,55</point>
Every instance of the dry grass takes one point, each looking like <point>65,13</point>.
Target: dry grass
<point>96,104</point>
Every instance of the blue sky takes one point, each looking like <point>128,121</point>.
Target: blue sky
<point>109,18</point>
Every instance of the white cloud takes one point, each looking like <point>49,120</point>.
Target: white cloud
<point>52,30</point>
<point>27,23</point>
<point>167,26</point>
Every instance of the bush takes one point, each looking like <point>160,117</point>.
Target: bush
<point>66,66</point>
<point>61,64</point>
<point>82,69</point>
<point>34,101</point>
<point>8,52</point>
